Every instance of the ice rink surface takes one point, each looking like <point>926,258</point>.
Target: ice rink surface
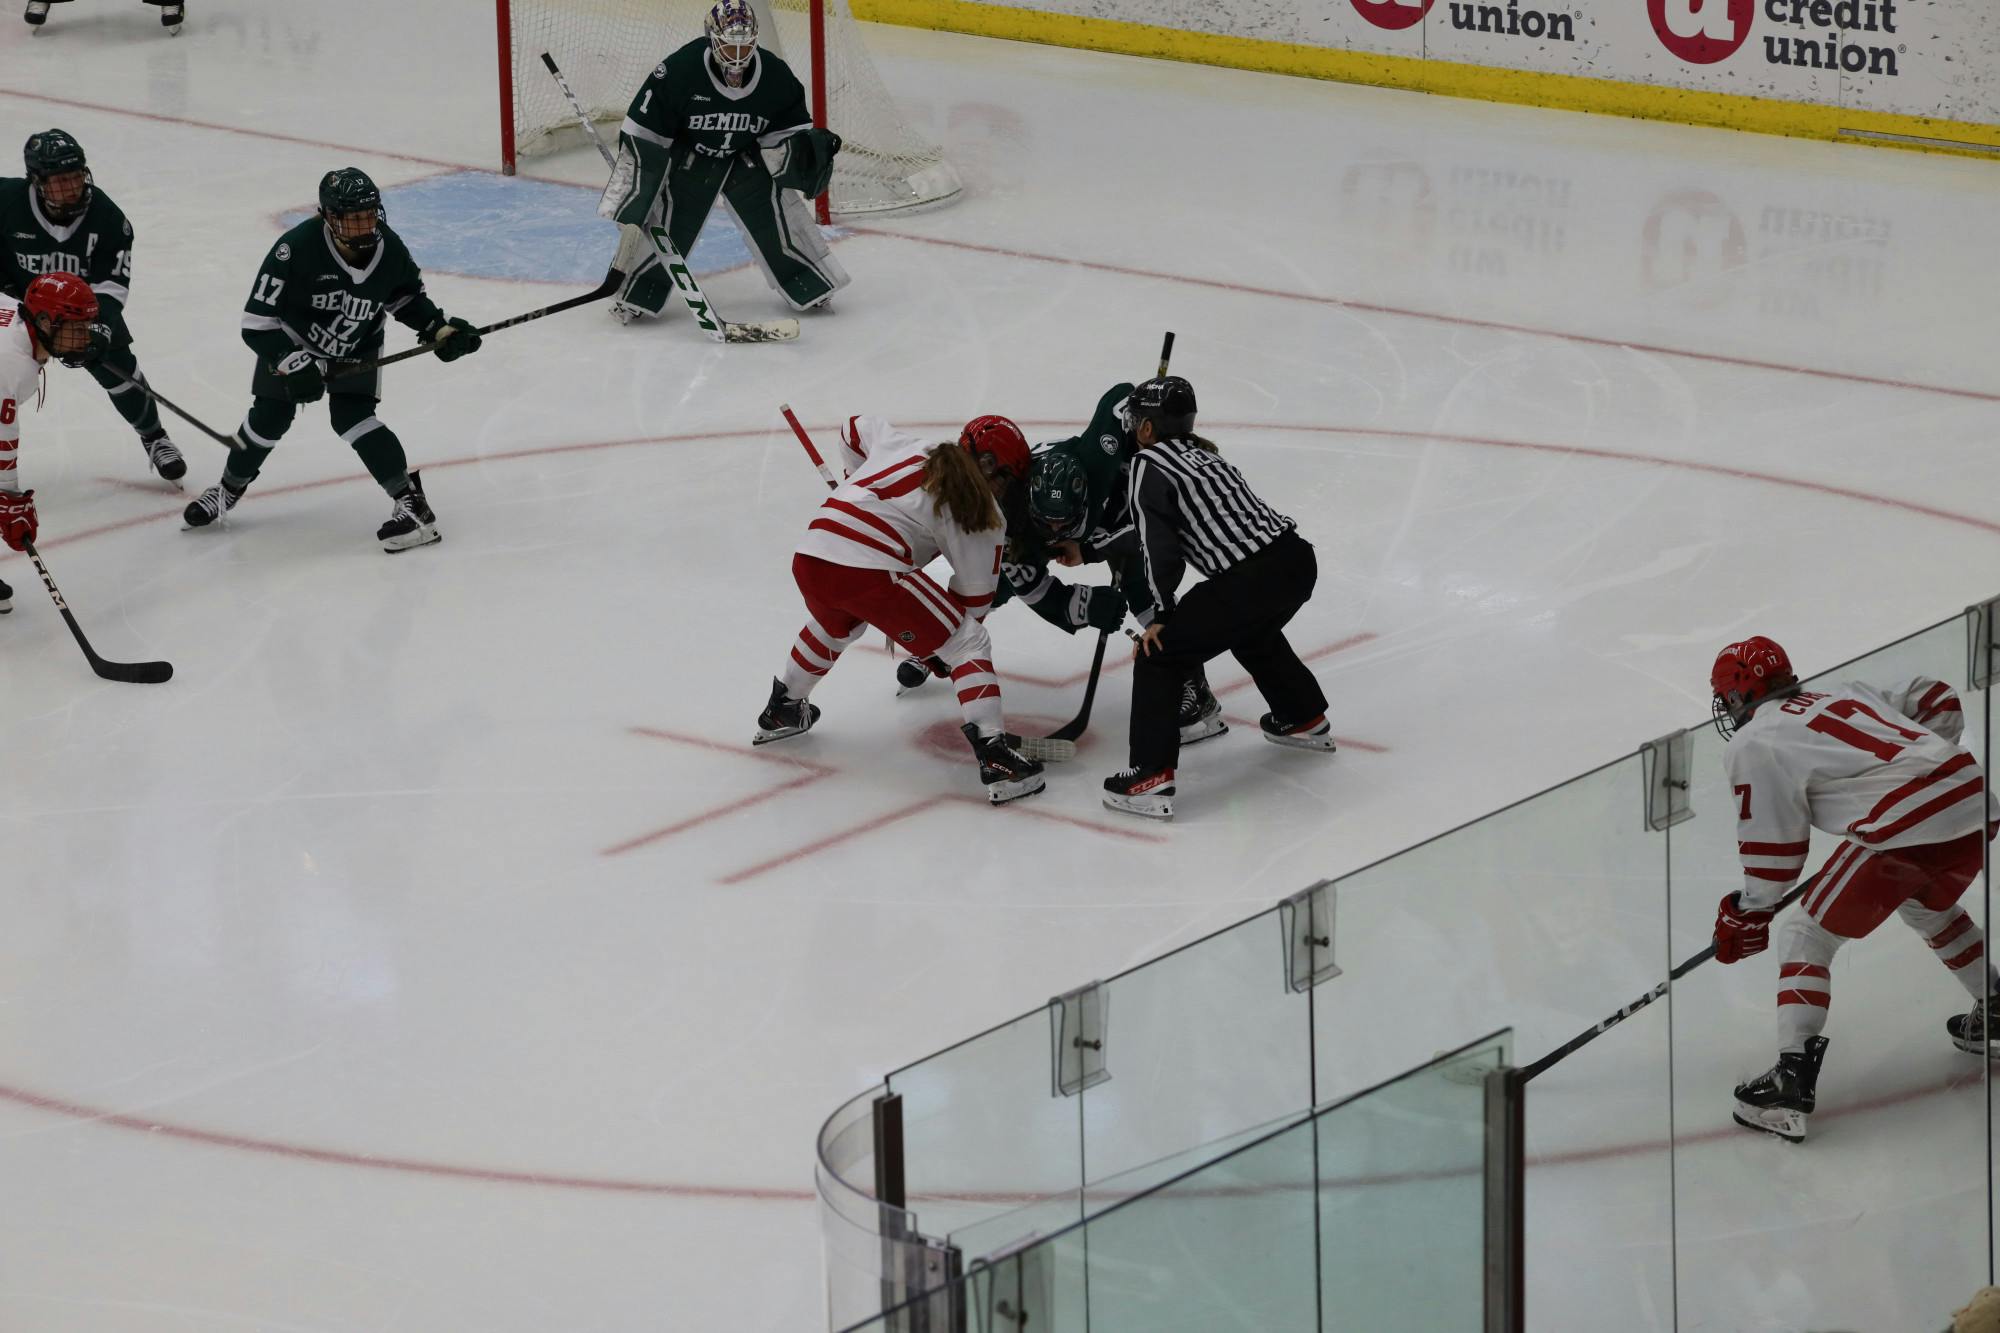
<point>433,952</point>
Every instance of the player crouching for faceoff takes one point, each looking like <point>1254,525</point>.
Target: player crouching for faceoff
<point>323,297</point>
<point>1189,505</point>
<point>53,318</point>
<point>861,563</point>
<point>1879,768</point>
<point>722,117</point>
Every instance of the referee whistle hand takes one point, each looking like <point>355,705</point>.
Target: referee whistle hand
<point>1149,642</point>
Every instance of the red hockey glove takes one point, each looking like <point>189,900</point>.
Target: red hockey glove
<point>18,524</point>
<point>1740,931</point>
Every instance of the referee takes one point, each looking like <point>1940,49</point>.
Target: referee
<point>1191,507</point>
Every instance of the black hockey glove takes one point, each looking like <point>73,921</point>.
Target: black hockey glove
<point>304,375</point>
<point>1103,608</point>
<point>452,337</point>
<point>102,340</point>
<point>807,164</point>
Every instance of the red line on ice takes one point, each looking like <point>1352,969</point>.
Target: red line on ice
<point>810,774</point>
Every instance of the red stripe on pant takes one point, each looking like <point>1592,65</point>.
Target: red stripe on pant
<point>1817,998</point>
<point>806,666</point>
<point>1804,970</point>
<point>1959,925</point>
<point>1966,959</point>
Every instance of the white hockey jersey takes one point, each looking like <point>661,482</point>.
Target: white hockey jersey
<point>881,517</point>
<point>20,385</point>
<point>1878,767</point>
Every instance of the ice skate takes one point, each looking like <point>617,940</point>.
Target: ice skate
<point>6,598</point>
<point>1201,713</point>
<point>783,717</point>
<point>1315,734</point>
<point>1778,1101</point>
<point>163,457</point>
<point>1970,1033</point>
<point>1147,792</point>
<point>171,17</point>
<point>210,505</point>
<point>625,313</point>
<point>1007,773</point>
<point>412,524</point>
<point>38,13</point>
<point>912,672</point>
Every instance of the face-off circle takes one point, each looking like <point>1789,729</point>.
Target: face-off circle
<point>1394,15</point>
<point>1701,32</point>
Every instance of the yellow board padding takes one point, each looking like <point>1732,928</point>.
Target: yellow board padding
<point>1567,92</point>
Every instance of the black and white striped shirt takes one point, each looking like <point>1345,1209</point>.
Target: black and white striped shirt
<point>1190,505</point>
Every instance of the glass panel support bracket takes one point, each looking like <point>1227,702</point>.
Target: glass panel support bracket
<point>1078,1021</point>
<point>1014,1291</point>
<point>1667,763</point>
<point>1307,921</point>
<point>1983,644</point>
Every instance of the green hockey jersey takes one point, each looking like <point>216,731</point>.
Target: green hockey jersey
<point>96,245</point>
<point>307,296</point>
<point>687,110</point>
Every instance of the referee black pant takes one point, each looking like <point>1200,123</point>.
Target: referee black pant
<point>1244,611</point>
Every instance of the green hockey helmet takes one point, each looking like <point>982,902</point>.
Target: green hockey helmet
<point>352,208</point>
<point>59,172</point>
<point>1059,495</point>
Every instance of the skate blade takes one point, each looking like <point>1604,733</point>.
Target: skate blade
<point>1152,805</point>
<point>1989,1050</point>
<point>425,537</point>
<point>1047,749</point>
<point>1787,1125</point>
<point>1207,730</point>
<point>778,734</point>
<point>999,793</point>
<point>1303,742</point>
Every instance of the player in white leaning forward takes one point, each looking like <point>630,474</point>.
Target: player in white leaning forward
<point>1189,506</point>
<point>53,318</point>
<point>323,297</point>
<point>1880,769</point>
<point>722,117</point>
<point>861,563</point>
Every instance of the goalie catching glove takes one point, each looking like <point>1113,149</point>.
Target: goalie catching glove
<point>803,161</point>
<point>451,337</point>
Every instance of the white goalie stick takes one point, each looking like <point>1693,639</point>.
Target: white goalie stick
<point>1044,748</point>
<point>711,323</point>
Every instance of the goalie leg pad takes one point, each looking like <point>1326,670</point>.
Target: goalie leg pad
<point>796,260</point>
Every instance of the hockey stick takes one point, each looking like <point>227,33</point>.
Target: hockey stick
<point>613,280</point>
<point>226,441</point>
<point>131,673</point>
<point>812,450</point>
<point>1075,727</point>
<point>1583,1039</point>
<point>718,328</point>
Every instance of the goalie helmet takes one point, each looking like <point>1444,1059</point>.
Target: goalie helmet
<point>352,208</point>
<point>1168,402</point>
<point>1059,495</point>
<point>59,172</point>
<point>1745,675</point>
<point>54,300</point>
<point>997,445</point>
<point>732,37</point>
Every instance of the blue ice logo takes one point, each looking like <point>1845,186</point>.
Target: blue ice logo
<point>481,225</point>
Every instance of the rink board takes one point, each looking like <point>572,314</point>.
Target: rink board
<point>1927,84</point>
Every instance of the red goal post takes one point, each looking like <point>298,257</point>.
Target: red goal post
<point>607,47</point>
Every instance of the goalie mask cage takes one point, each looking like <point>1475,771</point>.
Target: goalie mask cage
<point>607,48</point>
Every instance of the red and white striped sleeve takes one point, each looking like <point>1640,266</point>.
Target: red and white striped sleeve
<point>1773,821</point>
<point>20,383</point>
<point>975,565</point>
<point>1929,703</point>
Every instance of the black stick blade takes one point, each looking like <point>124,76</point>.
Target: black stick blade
<point>134,673</point>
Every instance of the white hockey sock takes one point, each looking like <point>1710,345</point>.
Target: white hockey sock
<point>979,695</point>
<point>1805,981</point>
<point>813,655</point>
<point>1958,944</point>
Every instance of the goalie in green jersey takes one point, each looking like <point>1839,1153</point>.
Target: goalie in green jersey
<point>721,118</point>
<point>56,220</point>
<point>322,298</point>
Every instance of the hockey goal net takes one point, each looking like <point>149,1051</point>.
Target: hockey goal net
<point>607,48</point>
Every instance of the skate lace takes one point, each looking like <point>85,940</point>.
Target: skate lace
<point>214,501</point>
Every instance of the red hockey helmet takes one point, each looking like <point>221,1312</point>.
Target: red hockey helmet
<point>60,309</point>
<point>998,446</point>
<point>1745,674</point>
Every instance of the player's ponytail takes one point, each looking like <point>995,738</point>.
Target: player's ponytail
<point>952,479</point>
